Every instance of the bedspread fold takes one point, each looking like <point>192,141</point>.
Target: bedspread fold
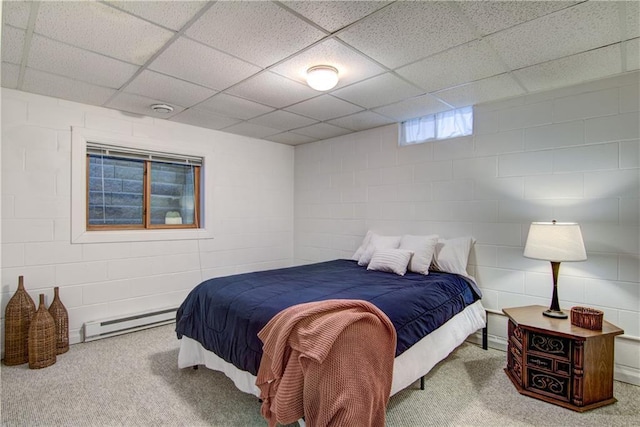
<point>331,361</point>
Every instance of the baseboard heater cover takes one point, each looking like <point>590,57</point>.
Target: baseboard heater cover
<point>105,328</point>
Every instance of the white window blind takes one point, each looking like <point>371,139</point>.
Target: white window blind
<point>137,154</point>
<point>447,124</point>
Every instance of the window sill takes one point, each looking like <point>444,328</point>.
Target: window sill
<point>114,236</point>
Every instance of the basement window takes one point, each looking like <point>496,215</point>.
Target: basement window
<point>444,125</point>
<point>131,189</point>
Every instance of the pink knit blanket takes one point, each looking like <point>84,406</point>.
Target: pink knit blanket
<point>329,361</point>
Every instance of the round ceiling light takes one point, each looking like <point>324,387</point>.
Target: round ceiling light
<point>162,108</point>
<point>322,77</point>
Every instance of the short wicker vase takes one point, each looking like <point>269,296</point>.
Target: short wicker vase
<point>42,338</point>
<point>61,320</point>
<point>17,317</point>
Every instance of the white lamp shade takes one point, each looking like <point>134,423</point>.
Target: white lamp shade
<point>322,77</point>
<point>555,241</point>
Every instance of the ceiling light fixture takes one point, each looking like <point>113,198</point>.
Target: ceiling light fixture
<point>322,77</point>
<point>162,108</point>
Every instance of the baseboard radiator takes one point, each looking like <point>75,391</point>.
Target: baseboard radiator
<point>105,328</point>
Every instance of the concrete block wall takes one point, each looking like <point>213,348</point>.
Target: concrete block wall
<point>251,186</point>
<point>570,154</point>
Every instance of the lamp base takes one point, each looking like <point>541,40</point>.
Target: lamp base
<point>558,314</point>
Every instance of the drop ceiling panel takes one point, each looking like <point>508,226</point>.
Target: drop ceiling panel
<point>472,61</point>
<point>322,131</point>
<point>202,118</point>
<point>632,24</point>
<point>333,15</point>
<point>100,28</point>
<point>16,13</point>
<point>352,66</point>
<point>61,87</point>
<point>579,28</point>
<point>268,32</point>
<point>252,130</point>
<point>283,120</point>
<point>290,138</point>
<point>572,69</point>
<point>169,89</point>
<point>212,68</point>
<point>232,106</point>
<point>273,90</point>
<point>405,32</point>
<point>170,14</point>
<point>497,87</point>
<point>491,16</point>
<point>79,64</point>
<point>413,107</point>
<point>361,121</point>
<point>324,107</point>
<point>12,44</point>
<point>140,105</point>
<point>377,91</point>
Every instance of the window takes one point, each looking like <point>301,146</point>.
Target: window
<point>447,124</point>
<point>137,189</point>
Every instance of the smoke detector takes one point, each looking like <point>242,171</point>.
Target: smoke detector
<point>162,108</point>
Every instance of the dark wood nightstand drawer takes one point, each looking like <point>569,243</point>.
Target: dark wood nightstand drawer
<point>562,367</point>
<point>514,360</point>
<point>515,333</point>
<point>536,361</point>
<point>551,385</point>
<point>516,347</point>
<point>555,346</point>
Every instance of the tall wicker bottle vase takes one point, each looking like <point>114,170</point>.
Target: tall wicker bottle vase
<point>61,319</point>
<point>17,317</point>
<point>42,338</point>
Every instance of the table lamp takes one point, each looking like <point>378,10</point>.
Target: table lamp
<point>555,242</point>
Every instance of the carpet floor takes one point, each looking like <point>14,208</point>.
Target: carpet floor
<point>133,380</point>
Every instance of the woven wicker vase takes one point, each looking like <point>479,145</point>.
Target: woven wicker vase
<point>61,320</point>
<point>20,309</point>
<point>42,338</point>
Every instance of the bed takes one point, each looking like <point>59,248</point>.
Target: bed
<point>219,320</point>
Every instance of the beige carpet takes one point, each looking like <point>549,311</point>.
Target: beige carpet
<point>133,380</point>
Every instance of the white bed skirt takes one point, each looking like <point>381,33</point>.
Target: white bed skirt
<point>407,368</point>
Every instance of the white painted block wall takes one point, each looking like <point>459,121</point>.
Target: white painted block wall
<point>252,191</point>
<point>571,154</point>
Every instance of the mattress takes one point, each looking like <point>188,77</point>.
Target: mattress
<point>408,367</point>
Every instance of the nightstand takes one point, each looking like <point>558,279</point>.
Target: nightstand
<point>552,360</point>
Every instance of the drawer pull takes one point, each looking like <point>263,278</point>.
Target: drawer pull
<point>539,362</point>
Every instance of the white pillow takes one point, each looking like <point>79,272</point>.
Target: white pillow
<point>378,242</point>
<point>452,255</point>
<point>365,242</point>
<point>390,260</point>
<point>423,248</point>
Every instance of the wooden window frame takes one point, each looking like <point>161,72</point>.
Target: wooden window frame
<point>146,204</point>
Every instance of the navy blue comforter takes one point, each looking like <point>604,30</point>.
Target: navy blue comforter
<point>225,314</point>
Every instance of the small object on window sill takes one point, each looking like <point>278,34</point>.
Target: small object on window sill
<point>173,217</point>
